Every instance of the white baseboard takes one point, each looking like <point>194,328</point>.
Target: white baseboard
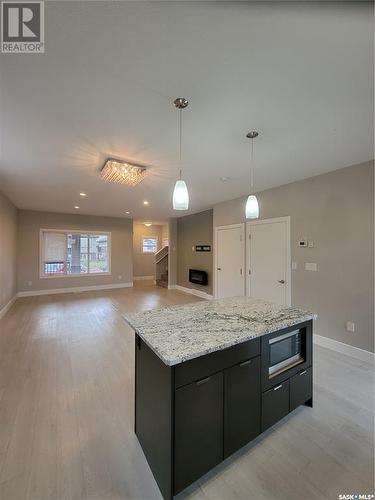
<point>75,289</point>
<point>7,306</point>
<point>192,291</point>
<point>349,350</point>
<point>143,278</point>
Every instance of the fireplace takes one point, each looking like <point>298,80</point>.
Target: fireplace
<point>198,277</point>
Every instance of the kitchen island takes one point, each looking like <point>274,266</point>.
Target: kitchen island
<point>213,375</point>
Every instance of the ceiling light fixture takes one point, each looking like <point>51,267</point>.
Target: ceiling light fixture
<point>121,172</point>
<point>148,224</point>
<point>145,202</point>
<point>127,212</point>
<point>76,207</point>
<point>252,206</point>
<point>180,192</point>
<point>82,194</point>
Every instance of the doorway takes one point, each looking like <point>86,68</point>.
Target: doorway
<point>268,260</point>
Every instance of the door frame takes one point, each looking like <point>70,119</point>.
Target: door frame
<point>221,228</point>
<point>285,219</point>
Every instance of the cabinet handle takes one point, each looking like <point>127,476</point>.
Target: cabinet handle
<point>203,381</point>
<point>278,387</point>
<point>303,373</point>
<point>245,362</point>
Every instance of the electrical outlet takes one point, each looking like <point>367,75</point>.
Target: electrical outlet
<point>302,243</point>
<point>311,266</point>
<point>350,326</point>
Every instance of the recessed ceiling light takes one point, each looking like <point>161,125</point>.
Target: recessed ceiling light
<point>148,224</point>
<point>127,212</point>
<point>76,206</point>
<point>82,194</point>
<point>145,202</point>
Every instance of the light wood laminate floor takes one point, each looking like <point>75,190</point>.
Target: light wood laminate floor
<point>66,413</point>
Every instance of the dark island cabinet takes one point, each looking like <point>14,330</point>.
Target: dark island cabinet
<point>191,416</point>
<point>241,404</point>
<point>275,404</point>
<point>301,388</point>
<point>198,442</point>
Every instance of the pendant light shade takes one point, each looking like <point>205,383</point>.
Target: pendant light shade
<point>252,207</point>
<point>180,196</point>
<point>180,199</point>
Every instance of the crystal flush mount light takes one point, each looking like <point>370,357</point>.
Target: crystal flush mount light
<point>122,172</point>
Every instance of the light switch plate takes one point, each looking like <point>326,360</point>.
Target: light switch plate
<point>350,326</point>
<point>310,243</point>
<point>311,266</point>
<point>294,265</point>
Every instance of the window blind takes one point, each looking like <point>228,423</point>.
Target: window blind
<point>54,247</point>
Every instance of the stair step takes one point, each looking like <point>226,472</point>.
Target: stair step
<point>162,283</point>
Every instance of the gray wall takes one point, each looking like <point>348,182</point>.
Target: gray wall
<point>172,254</point>
<point>144,264</point>
<point>29,225</point>
<point>8,240</point>
<point>336,210</point>
<point>196,229</point>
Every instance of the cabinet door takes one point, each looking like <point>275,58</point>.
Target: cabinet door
<point>241,404</point>
<point>198,436</point>
<point>300,388</point>
<point>275,404</point>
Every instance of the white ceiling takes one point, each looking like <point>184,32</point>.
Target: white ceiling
<point>300,73</point>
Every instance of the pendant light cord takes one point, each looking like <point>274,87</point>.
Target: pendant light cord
<point>180,142</point>
<point>252,166</point>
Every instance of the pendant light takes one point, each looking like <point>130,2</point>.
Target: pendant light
<point>252,206</point>
<point>180,192</point>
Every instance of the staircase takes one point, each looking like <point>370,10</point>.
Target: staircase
<point>163,280</point>
<point>161,267</point>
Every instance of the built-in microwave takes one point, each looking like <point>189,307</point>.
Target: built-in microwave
<point>284,352</point>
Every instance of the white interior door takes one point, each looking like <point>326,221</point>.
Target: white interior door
<point>268,260</point>
<point>229,262</point>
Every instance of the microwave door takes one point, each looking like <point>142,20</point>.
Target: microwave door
<point>284,351</point>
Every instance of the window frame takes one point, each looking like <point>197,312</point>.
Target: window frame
<point>149,238</point>
<point>73,231</point>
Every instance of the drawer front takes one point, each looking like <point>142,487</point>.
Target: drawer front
<point>198,368</point>
<point>300,388</point>
<point>275,404</point>
<point>198,433</point>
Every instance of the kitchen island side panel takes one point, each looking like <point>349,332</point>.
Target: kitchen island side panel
<point>154,414</point>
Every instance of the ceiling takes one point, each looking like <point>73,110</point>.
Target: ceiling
<point>299,73</point>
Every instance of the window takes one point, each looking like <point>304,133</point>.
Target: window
<point>149,244</point>
<point>68,253</point>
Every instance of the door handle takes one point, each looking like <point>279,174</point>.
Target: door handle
<point>245,362</point>
<point>219,268</point>
<point>203,380</point>
<point>303,373</point>
<point>278,387</point>
<point>281,281</point>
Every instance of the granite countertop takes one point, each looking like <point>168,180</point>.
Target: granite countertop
<point>180,333</point>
